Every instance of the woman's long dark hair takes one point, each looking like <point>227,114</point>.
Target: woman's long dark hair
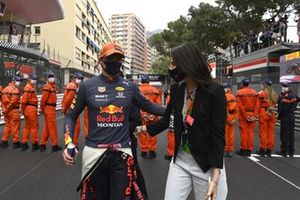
<point>189,59</point>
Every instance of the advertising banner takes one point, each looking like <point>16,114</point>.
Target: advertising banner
<point>290,67</point>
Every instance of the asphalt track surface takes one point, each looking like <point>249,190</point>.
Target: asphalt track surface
<point>43,176</point>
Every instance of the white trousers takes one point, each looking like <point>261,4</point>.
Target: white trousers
<point>185,175</point>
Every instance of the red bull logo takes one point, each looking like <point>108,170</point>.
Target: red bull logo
<point>110,116</point>
<point>111,109</point>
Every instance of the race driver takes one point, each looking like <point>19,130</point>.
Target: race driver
<point>107,163</point>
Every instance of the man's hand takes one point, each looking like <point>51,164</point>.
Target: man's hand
<point>67,157</point>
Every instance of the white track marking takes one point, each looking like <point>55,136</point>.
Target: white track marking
<point>268,169</point>
<point>273,156</point>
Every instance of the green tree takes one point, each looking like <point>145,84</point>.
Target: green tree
<point>161,65</point>
<point>210,27</point>
<point>248,14</point>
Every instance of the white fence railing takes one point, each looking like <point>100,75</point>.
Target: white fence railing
<point>58,106</point>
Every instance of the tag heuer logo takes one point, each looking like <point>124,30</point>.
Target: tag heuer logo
<point>120,89</point>
<point>101,89</point>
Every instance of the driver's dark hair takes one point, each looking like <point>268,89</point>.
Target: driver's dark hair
<point>190,60</point>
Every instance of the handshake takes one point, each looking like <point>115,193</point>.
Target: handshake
<point>139,129</point>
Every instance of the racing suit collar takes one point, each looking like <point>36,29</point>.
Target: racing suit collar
<point>109,80</point>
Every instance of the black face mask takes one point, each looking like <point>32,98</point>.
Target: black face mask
<point>176,74</point>
<point>112,68</point>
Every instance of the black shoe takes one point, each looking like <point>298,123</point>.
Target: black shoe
<point>144,154</point>
<point>56,148</point>
<point>152,154</point>
<point>24,147</point>
<point>35,147</point>
<point>241,152</point>
<point>168,157</point>
<point>229,154</point>
<point>225,154</point>
<point>248,153</point>
<point>269,152</point>
<point>261,152</point>
<point>42,147</point>
<point>281,153</point>
<point>4,145</point>
<point>291,155</point>
<point>17,145</point>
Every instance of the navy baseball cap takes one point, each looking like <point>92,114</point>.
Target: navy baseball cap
<point>33,77</point>
<point>50,74</point>
<point>145,79</point>
<point>267,82</point>
<point>78,75</point>
<point>225,85</point>
<point>245,81</point>
<point>286,84</point>
<point>16,78</point>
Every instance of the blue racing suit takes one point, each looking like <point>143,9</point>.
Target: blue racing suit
<point>109,104</point>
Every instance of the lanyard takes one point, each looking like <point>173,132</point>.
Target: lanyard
<point>190,102</point>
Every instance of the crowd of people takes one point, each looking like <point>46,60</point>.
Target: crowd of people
<point>249,107</point>
<point>273,32</point>
<point>200,118</point>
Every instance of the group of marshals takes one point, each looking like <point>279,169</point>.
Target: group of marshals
<point>16,101</point>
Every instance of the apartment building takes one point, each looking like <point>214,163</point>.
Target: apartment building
<point>75,41</point>
<point>130,33</point>
<point>152,55</point>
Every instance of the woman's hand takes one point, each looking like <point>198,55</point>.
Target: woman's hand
<point>212,190</point>
<point>212,184</point>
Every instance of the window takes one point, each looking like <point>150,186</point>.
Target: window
<point>77,53</point>
<point>37,30</point>
<point>83,37</point>
<point>78,32</point>
<point>256,77</point>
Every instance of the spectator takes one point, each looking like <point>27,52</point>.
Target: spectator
<point>236,47</point>
<point>245,44</point>
<point>253,41</point>
<point>285,21</point>
<point>276,34</point>
<point>298,26</point>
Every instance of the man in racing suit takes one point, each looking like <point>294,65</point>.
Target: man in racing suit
<point>107,163</point>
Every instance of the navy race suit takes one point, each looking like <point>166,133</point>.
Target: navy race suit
<point>109,104</point>
<point>287,104</point>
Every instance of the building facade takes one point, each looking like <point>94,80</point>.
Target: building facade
<point>75,41</point>
<point>130,33</point>
<point>16,55</point>
<point>152,55</point>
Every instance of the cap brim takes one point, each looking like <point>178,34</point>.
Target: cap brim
<point>111,52</point>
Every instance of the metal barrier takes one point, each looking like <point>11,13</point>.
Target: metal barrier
<point>58,106</point>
